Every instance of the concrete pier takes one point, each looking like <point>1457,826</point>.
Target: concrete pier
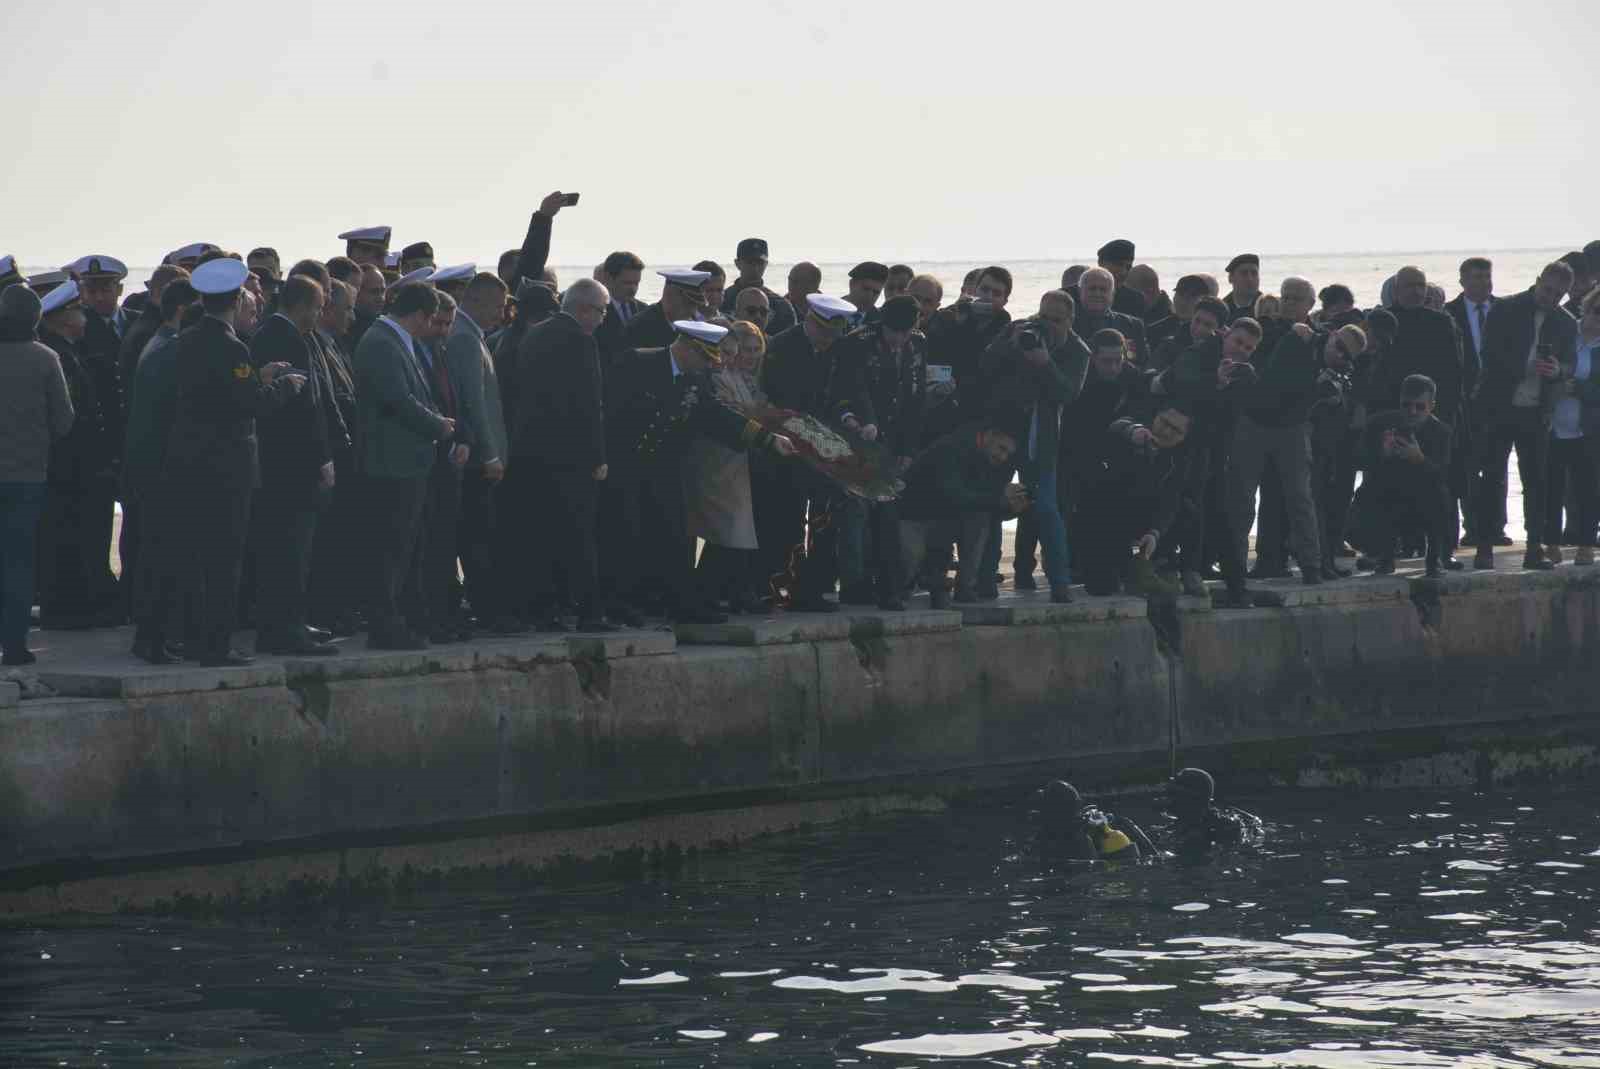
<point>409,758</point>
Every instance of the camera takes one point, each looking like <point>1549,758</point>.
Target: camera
<point>1028,338</point>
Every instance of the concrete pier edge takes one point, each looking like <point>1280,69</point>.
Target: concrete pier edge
<point>143,786</point>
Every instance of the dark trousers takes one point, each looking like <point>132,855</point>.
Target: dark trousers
<point>1488,483</point>
<point>1525,430</point>
<point>621,553</point>
<point>69,590</point>
<point>391,535</point>
<point>1572,459</point>
<point>334,592</point>
<point>100,516</point>
<point>1111,518</point>
<point>21,506</point>
<point>129,544</point>
<point>430,595</point>
<point>283,530</point>
<point>780,517</point>
<point>1391,509</point>
<point>1328,458</point>
<point>161,597</point>
<point>554,510</point>
<point>475,534</point>
<point>203,536</point>
<point>1204,531</point>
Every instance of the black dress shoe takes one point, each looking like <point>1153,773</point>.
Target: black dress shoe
<point>1483,561</point>
<point>1024,581</point>
<point>1470,539</point>
<point>1433,570</point>
<point>317,634</point>
<point>1384,567</point>
<point>892,604</point>
<point>1332,571</point>
<point>16,658</point>
<point>1060,595</point>
<point>1503,539</point>
<point>1451,564</point>
<point>1537,563</point>
<point>1311,576</point>
<point>229,659</point>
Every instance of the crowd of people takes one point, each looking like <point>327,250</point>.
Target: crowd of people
<point>379,442</point>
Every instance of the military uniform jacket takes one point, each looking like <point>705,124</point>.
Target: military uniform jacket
<point>797,377</point>
<point>884,388</point>
<point>100,352</point>
<point>295,438</point>
<point>81,454</point>
<point>218,397</point>
<point>649,329</point>
<point>662,412</point>
<point>152,392</point>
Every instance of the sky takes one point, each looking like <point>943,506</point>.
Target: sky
<point>927,131</point>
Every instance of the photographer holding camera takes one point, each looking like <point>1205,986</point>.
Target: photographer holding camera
<point>1037,366</point>
<point>1405,458</point>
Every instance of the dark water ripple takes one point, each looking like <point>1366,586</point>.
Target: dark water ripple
<point>1404,930</point>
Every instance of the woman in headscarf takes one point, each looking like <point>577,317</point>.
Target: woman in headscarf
<point>717,480</point>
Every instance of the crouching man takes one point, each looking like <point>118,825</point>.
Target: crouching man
<point>1134,498</point>
<point>1405,458</point>
<point>953,490</point>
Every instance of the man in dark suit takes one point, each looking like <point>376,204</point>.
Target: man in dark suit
<point>619,274</point>
<point>668,401</point>
<point>211,464</point>
<point>477,388</point>
<point>297,472</point>
<point>399,427</point>
<point>1529,345</point>
<point>1470,310</point>
<point>433,602</point>
<point>332,594</point>
<point>681,299</point>
<point>558,462</point>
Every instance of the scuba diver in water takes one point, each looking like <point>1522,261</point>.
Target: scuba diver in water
<point>1198,822</point>
<point>1071,830</point>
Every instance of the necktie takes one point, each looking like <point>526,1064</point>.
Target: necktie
<point>1483,314</point>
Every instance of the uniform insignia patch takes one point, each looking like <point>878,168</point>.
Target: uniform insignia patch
<point>242,372</point>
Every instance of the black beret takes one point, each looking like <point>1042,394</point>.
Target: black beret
<point>1120,249</point>
<point>870,269</point>
<point>1244,258</point>
<point>900,313</point>
<point>417,250</point>
<point>750,247</point>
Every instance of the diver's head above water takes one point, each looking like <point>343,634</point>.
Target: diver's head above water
<point>1190,793</point>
